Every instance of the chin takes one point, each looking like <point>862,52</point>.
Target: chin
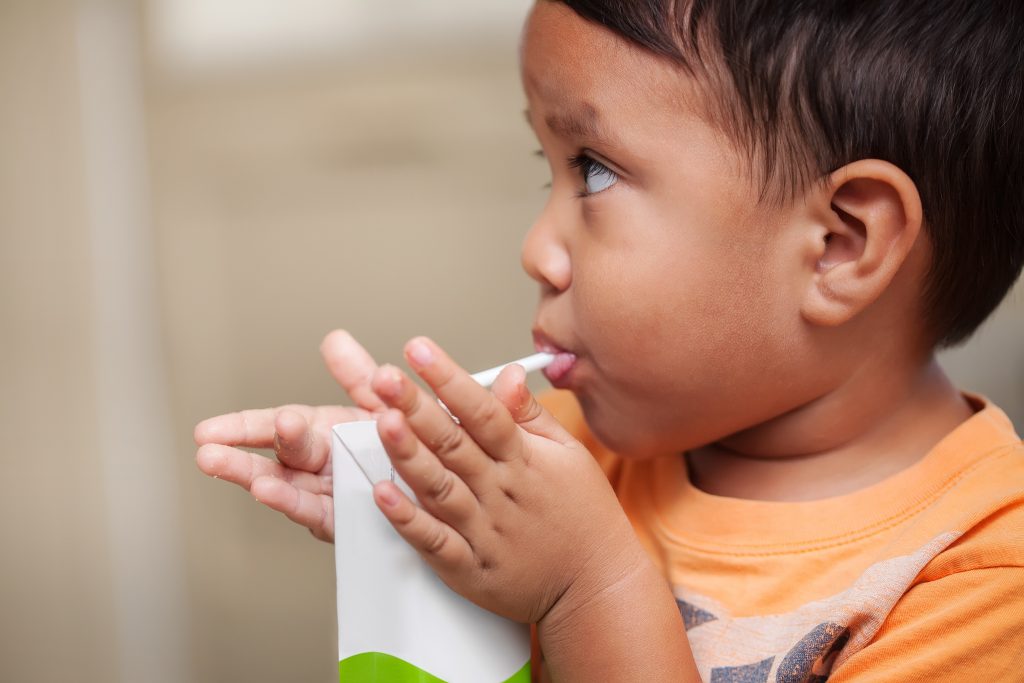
<point>637,440</point>
<point>625,440</point>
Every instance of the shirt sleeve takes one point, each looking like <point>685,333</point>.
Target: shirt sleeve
<point>967,626</point>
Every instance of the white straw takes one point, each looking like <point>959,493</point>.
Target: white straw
<point>537,361</point>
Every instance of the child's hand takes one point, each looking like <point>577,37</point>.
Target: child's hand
<point>514,512</point>
<point>299,485</point>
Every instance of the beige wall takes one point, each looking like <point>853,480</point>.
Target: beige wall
<point>385,195</point>
<point>56,614</point>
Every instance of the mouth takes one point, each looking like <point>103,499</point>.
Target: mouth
<point>559,371</point>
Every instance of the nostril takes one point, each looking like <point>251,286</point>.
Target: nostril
<point>556,268</point>
<point>545,256</point>
<point>549,267</point>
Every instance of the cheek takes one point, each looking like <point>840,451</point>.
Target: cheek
<point>644,311</point>
<point>675,335</point>
<point>620,302</point>
<point>637,321</point>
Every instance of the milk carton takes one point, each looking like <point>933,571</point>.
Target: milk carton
<point>397,621</point>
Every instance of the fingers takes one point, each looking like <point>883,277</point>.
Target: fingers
<point>511,390</point>
<point>299,435</point>
<point>297,444</point>
<point>311,510</point>
<point>440,545</point>
<point>432,425</point>
<point>437,488</point>
<point>242,468</point>
<point>255,428</point>
<point>352,366</point>
<point>249,428</point>
<point>303,497</point>
<point>481,414</point>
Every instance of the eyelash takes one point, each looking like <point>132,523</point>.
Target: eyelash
<point>583,163</point>
<point>539,153</point>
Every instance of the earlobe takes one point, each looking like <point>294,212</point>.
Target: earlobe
<point>869,221</point>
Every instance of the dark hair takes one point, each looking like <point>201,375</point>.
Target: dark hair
<point>935,87</point>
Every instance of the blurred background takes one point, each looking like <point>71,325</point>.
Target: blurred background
<point>193,193</point>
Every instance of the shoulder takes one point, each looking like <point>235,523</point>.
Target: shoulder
<point>984,497</point>
<point>961,611</point>
<point>992,527</point>
<point>979,509</point>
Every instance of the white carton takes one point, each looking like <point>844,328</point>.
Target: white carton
<point>397,621</point>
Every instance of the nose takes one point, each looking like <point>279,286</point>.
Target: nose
<point>545,254</point>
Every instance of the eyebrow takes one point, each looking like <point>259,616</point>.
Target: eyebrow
<point>583,122</point>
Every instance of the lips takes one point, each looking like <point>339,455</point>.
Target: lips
<point>558,372</point>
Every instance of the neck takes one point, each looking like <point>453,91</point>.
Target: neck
<point>875,424</point>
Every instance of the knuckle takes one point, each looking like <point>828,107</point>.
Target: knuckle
<point>448,442</point>
<point>442,487</point>
<point>435,541</point>
<point>531,411</point>
<point>445,376</point>
<point>486,411</point>
<point>321,523</point>
<point>406,516</point>
<point>243,419</point>
<point>360,381</point>
<point>484,564</point>
<point>410,403</point>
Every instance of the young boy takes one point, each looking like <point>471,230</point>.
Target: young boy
<point>764,219</point>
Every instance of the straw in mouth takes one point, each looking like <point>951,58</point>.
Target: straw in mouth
<point>537,361</point>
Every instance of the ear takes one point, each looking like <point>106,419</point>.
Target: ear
<point>867,219</point>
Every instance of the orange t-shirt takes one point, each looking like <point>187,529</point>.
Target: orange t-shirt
<point>917,578</point>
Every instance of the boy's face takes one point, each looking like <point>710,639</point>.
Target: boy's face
<point>668,280</point>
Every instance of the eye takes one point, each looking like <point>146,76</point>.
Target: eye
<point>596,176</point>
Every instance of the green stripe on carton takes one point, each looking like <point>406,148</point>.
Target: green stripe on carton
<point>377,667</point>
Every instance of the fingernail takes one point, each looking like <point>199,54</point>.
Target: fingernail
<point>388,497</point>
<point>420,354</point>
<point>390,381</point>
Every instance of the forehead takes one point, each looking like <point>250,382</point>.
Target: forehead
<point>582,75</point>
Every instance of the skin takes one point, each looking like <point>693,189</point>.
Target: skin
<point>781,346</point>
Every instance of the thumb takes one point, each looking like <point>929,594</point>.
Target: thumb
<point>352,367</point>
<point>510,388</point>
